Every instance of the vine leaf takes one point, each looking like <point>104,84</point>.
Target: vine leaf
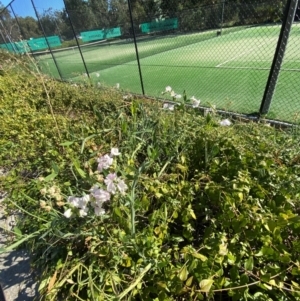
<point>206,284</point>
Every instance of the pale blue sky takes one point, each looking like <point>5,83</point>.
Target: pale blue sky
<point>24,8</point>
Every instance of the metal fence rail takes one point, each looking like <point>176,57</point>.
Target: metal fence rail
<point>241,57</point>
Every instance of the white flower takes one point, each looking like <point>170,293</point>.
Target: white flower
<point>94,189</point>
<point>73,201</point>
<point>109,181</point>
<point>83,212</point>
<point>100,196</point>
<point>118,86</point>
<point>68,213</point>
<point>173,94</point>
<point>127,96</point>
<point>83,201</point>
<point>122,186</point>
<point>98,84</point>
<point>168,106</point>
<point>99,211</point>
<point>79,202</point>
<point>97,74</point>
<point>114,152</point>
<point>168,89</point>
<point>225,122</point>
<point>85,74</point>
<point>104,162</point>
<point>195,102</point>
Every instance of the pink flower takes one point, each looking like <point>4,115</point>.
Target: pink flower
<point>100,195</point>
<point>113,182</point>
<point>109,181</point>
<point>99,210</point>
<point>104,162</point>
<point>122,186</point>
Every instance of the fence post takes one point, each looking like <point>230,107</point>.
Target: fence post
<point>53,57</point>
<point>7,36</point>
<point>20,28</point>
<point>222,17</point>
<point>136,48</point>
<point>3,36</point>
<point>75,36</point>
<point>4,40</point>
<point>289,16</point>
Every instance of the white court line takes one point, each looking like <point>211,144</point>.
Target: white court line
<point>253,68</point>
<point>241,54</point>
<point>271,60</point>
<point>288,69</point>
<point>291,61</point>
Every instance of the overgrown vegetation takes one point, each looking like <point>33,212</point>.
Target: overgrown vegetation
<point>211,212</point>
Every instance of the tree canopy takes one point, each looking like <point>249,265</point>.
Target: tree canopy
<point>193,15</point>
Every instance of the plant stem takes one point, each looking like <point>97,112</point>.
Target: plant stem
<point>41,77</point>
<point>132,209</point>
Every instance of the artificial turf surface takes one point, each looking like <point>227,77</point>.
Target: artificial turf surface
<point>229,71</point>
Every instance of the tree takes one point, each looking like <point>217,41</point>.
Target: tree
<point>100,11</point>
<point>64,29</point>
<point>29,27</point>
<point>10,31</point>
<point>81,14</point>
<point>50,22</point>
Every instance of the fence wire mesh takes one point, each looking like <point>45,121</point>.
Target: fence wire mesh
<point>106,43</point>
<point>222,52</point>
<point>285,102</point>
<point>219,53</point>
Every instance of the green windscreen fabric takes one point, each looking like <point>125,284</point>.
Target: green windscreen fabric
<point>17,47</point>
<point>7,46</point>
<point>41,43</point>
<point>94,35</point>
<point>160,25</point>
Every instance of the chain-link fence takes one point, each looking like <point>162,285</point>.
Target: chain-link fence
<point>241,56</point>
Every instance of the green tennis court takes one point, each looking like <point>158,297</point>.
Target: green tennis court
<point>229,71</point>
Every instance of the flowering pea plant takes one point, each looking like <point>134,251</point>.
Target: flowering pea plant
<point>98,195</point>
<point>176,98</point>
<point>193,101</point>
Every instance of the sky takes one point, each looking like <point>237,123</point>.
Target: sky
<point>24,8</point>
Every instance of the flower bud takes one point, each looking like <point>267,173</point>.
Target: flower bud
<point>43,191</point>
<point>48,208</point>
<point>42,204</point>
